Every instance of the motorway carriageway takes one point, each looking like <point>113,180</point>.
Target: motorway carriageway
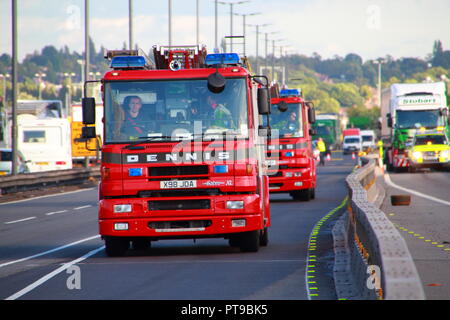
<point>50,249</point>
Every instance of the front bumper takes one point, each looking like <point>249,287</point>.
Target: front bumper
<point>148,219</point>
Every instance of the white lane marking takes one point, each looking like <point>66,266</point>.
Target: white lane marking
<point>82,207</point>
<point>20,220</point>
<point>388,180</point>
<point>49,251</point>
<point>46,196</point>
<point>52,274</point>
<point>55,212</point>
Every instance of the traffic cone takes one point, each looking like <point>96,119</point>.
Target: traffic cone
<point>353,156</point>
<point>328,157</point>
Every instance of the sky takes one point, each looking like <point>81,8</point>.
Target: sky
<point>369,28</point>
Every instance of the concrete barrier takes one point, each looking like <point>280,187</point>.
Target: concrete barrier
<point>372,259</point>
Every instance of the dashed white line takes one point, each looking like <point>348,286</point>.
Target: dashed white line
<point>20,220</point>
<point>82,207</point>
<point>55,212</point>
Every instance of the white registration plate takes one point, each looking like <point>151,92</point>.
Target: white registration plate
<point>178,184</point>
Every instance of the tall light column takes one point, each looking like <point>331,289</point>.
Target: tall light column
<point>379,62</point>
<point>14,88</point>
<point>231,4</point>
<point>244,15</point>
<point>86,40</point>
<point>170,22</point>
<point>130,24</point>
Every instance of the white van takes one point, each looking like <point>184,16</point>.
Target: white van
<point>368,139</point>
<point>352,144</point>
<point>44,143</point>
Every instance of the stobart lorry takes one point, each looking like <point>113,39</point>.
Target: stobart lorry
<point>328,127</point>
<point>192,163</point>
<point>292,167</point>
<point>413,107</point>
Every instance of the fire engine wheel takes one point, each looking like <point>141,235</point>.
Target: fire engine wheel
<point>116,246</point>
<point>249,241</point>
<point>264,238</point>
<point>141,244</point>
<point>303,195</point>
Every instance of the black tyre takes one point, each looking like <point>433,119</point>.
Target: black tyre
<point>302,195</point>
<point>249,241</point>
<point>264,238</point>
<point>116,246</point>
<point>141,244</point>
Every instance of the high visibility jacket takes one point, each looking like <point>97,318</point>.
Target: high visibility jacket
<point>321,146</point>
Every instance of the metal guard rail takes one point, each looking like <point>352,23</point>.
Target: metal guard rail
<point>377,244</point>
<point>32,181</point>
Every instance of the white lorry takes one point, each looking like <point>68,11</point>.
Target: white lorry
<point>368,140</point>
<point>45,143</point>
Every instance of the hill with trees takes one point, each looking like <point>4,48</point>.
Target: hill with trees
<point>336,84</point>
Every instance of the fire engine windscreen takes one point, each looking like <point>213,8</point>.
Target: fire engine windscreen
<point>418,119</point>
<point>174,110</point>
<point>288,123</point>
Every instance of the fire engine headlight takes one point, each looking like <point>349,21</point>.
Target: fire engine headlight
<point>122,208</point>
<point>445,154</point>
<point>235,204</point>
<point>288,174</point>
<point>417,154</point>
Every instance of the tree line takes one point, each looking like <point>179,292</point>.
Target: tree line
<point>339,82</point>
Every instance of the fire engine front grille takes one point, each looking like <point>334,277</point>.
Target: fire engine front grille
<point>178,171</point>
<point>179,204</point>
<point>180,225</point>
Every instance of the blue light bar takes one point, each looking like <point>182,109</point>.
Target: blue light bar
<point>133,62</point>
<point>222,58</point>
<point>289,92</point>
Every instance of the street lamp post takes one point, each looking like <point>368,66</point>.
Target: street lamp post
<point>39,76</point>
<point>130,23</point>
<point>243,26</point>
<point>273,57</point>
<point>4,76</point>
<point>379,62</point>
<point>231,4</point>
<point>170,22</point>
<point>257,43</point>
<point>14,89</point>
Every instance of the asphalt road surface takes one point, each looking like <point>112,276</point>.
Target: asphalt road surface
<point>50,249</point>
<point>425,225</point>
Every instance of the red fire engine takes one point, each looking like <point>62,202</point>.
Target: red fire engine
<point>183,150</point>
<point>292,167</point>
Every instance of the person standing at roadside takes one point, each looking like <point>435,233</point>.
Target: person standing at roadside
<point>322,149</point>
